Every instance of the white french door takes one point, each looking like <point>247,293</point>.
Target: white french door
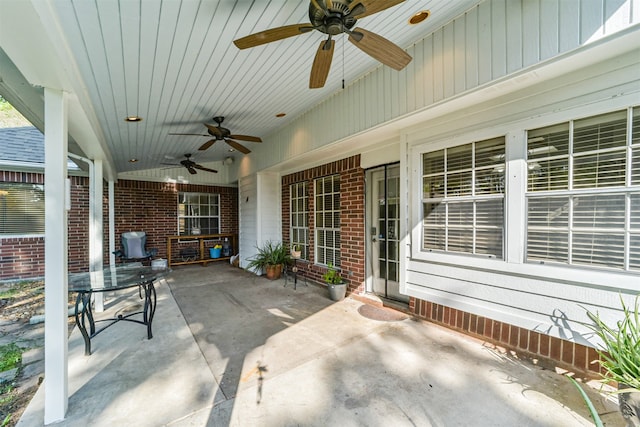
<point>383,229</point>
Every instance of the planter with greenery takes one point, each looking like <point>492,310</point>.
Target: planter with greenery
<point>270,259</point>
<point>619,354</point>
<point>337,286</point>
<point>296,252</point>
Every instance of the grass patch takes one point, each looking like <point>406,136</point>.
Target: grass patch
<point>15,289</point>
<point>10,357</point>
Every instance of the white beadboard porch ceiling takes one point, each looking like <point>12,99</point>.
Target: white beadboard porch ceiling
<point>173,63</point>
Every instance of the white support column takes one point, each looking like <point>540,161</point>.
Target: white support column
<point>96,229</point>
<point>515,202</point>
<point>56,389</point>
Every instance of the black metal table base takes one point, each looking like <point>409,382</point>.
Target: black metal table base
<point>293,270</point>
<point>84,314</point>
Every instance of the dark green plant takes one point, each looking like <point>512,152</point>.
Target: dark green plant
<point>271,253</point>
<point>332,276</point>
<point>620,348</point>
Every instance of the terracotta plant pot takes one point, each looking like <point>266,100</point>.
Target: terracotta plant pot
<point>273,271</point>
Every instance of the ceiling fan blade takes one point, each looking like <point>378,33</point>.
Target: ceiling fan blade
<point>192,134</point>
<point>380,48</point>
<point>240,148</point>
<point>246,138</point>
<point>321,64</point>
<point>361,8</point>
<point>202,168</point>
<point>191,170</point>
<point>272,35</point>
<point>214,130</point>
<point>207,144</point>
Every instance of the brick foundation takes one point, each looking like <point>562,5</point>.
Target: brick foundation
<point>547,351</point>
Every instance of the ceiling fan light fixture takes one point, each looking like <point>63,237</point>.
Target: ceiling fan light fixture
<point>133,160</point>
<point>419,17</point>
<point>133,119</point>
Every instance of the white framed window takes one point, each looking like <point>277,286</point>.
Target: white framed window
<point>299,217</point>
<point>327,220</point>
<point>21,209</point>
<point>583,192</point>
<point>463,199</point>
<point>198,213</point>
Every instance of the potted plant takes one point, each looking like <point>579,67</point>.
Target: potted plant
<point>270,259</point>
<point>296,252</point>
<point>620,358</point>
<point>337,286</point>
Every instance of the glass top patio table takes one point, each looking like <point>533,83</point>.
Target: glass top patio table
<point>113,279</point>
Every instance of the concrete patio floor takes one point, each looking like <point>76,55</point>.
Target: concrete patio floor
<point>234,349</point>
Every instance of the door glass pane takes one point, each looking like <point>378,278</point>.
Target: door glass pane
<point>392,271</point>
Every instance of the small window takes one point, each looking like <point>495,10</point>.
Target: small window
<point>21,209</point>
<point>299,217</point>
<point>327,220</point>
<point>198,213</point>
<point>463,199</point>
<point>583,198</point>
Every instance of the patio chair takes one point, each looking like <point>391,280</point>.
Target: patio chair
<point>133,247</point>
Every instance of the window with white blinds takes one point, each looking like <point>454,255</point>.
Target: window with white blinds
<point>327,220</point>
<point>299,216</point>
<point>583,192</point>
<point>21,209</point>
<point>463,199</point>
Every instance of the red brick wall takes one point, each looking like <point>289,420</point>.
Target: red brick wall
<point>152,207</point>
<point>139,205</point>
<point>351,219</point>
<point>78,218</point>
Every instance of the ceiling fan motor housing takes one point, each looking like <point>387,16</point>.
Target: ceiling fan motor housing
<point>224,132</point>
<point>336,21</point>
